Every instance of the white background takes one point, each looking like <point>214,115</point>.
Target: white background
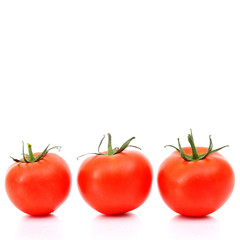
<point>72,71</point>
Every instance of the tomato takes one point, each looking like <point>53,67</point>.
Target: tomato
<point>39,183</point>
<point>195,181</point>
<point>116,181</point>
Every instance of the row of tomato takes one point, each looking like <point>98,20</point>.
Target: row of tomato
<point>193,181</point>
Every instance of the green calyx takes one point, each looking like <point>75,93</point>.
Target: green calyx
<point>195,156</point>
<point>112,151</point>
<point>29,158</point>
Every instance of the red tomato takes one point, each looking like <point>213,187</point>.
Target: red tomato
<point>38,188</point>
<point>117,183</point>
<point>195,187</point>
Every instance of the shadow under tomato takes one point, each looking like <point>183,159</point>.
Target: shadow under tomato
<point>184,227</point>
<point>116,216</point>
<point>39,227</point>
<point>122,226</point>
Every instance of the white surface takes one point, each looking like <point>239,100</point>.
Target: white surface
<point>72,71</point>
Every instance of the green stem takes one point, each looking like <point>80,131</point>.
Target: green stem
<point>195,156</point>
<point>110,149</point>
<point>191,141</point>
<point>30,153</point>
<point>30,156</point>
<point>24,156</point>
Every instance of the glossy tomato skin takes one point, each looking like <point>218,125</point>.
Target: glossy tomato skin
<point>115,184</point>
<point>195,188</point>
<point>39,188</point>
